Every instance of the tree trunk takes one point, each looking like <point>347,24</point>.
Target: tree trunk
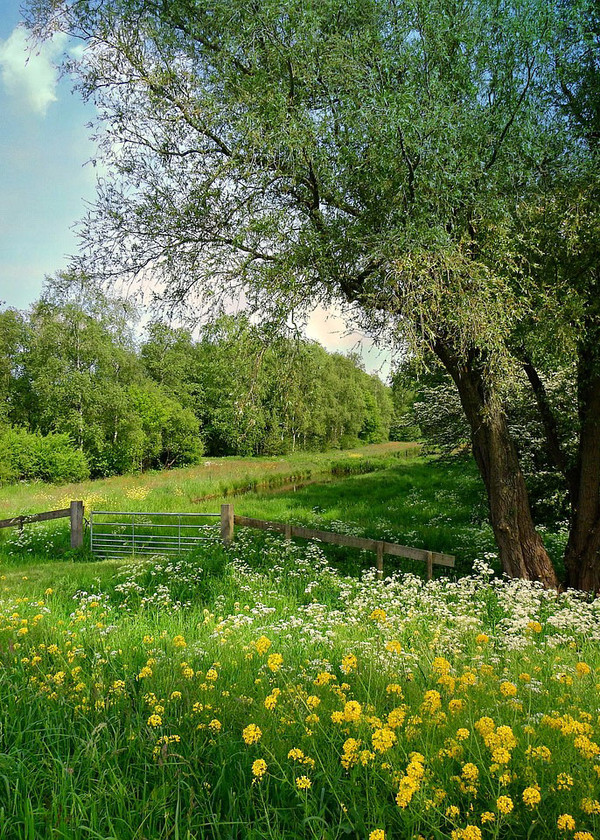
<point>520,547</point>
<point>582,556</point>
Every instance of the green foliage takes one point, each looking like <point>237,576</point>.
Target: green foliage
<point>258,392</point>
<point>434,164</point>
<point>70,366</point>
<point>31,456</point>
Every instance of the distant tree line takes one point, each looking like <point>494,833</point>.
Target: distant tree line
<point>80,396</point>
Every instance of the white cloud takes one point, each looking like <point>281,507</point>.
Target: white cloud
<point>29,74</point>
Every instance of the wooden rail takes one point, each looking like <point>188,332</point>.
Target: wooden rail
<point>380,547</point>
<point>74,512</point>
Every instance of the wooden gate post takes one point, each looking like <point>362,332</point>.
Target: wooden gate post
<point>429,565</point>
<point>379,561</point>
<point>76,516</point>
<point>227,524</point>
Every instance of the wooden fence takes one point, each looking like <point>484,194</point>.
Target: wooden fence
<point>431,558</point>
<point>74,512</point>
<point>229,520</point>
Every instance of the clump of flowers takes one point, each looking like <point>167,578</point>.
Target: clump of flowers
<point>252,734</point>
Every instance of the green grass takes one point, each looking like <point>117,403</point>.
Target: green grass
<point>125,707</point>
<point>126,687</point>
<point>424,503</point>
<point>188,488</point>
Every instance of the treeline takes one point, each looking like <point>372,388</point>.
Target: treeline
<point>80,396</point>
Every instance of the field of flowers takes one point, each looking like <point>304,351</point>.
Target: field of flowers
<point>256,693</point>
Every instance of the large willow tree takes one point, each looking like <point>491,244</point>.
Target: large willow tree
<point>413,158</point>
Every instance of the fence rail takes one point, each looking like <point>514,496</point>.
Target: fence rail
<point>431,558</point>
<point>135,532</point>
<point>74,512</point>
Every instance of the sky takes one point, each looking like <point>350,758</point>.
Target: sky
<point>46,179</point>
<point>44,147</point>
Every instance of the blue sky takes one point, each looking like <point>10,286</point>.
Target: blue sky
<point>44,146</point>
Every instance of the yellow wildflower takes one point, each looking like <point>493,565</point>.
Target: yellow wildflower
<point>396,717</point>
<point>252,734</point>
<point>383,739</point>
<point>471,832</point>
<point>532,796</point>
<point>504,804</point>
<point>303,783</point>
<point>470,772</point>
<point>259,768</point>
<point>275,661</point>
<point>440,665</point>
<point>564,781</point>
<point>262,645</point>
<point>349,663</point>
<point>432,702</point>
<point>324,678</point>
<point>352,711</point>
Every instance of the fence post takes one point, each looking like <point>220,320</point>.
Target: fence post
<point>429,565</point>
<point>76,517</point>
<point>227,523</point>
<point>379,560</point>
<point>287,532</point>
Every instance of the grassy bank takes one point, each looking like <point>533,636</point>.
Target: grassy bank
<point>414,501</point>
<point>190,487</point>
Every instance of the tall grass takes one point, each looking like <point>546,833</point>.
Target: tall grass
<point>257,693</point>
<point>188,487</point>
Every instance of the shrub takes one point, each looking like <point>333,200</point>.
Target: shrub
<point>29,455</point>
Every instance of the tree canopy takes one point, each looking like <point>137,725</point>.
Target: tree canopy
<point>75,380</point>
<point>432,163</point>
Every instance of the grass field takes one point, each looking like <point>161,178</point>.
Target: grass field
<point>276,691</point>
<point>200,486</point>
<point>382,491</point>
<point>258,693</point>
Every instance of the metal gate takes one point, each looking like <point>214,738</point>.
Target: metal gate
<point>126,533</point>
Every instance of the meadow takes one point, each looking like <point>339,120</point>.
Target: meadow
<point>266,691</point>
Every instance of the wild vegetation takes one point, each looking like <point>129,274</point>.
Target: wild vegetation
<point>257,692</point>
<point>432,165</point>
<point>433,168</point>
